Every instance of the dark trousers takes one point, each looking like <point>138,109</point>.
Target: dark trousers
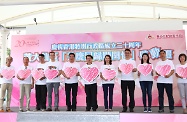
<point>146,87</point>
<point>108,90</point>
<point>41,94</point>
<point>91,96</point>
<point>130,85</point>
<point>74,88</point>
<point>169,91</point>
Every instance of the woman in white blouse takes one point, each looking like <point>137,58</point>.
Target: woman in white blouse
<point>182,82</point>
<point>146,83</point>
<point>108,84</point>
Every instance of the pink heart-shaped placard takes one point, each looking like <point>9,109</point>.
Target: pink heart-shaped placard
<point>109,74</point>
<point>126,68</point>
<point>145,69</point>
<point>8,73</point>
<point>24,73</point>
<point>182,71</point>
<point>163,70</point>
<point>70,71</point>
<point>51,73</point>
<point>89,74</point>
<point>37,74</point>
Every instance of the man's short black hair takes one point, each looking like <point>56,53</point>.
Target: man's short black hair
<point>25,57</point>
<point>128,50</point>
<point>162,51</point>
<point>89,56</point>
<point>72,54</point>
<point>51,52</point>
<point>42,55</point>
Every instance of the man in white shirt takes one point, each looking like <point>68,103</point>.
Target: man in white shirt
<point>127,82</point>
<point>6,86</point>
<point>90,87</point>
<point>26,84</point>
<point>71,83</point>
<point>40,86</point>
<point>165,82</point>
<point>54,83</point>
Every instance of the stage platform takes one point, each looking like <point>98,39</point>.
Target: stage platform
<point>99,116</point>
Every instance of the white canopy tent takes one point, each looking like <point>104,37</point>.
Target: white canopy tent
<point>22,12</point>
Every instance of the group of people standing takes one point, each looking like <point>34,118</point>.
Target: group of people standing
<point>44,87</point>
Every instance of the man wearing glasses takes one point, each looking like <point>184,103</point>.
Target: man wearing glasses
<point>127,82</point>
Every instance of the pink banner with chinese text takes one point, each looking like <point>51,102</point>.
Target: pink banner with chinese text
<point>98,45</point>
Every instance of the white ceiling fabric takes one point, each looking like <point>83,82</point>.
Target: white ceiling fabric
<point>22,12</point>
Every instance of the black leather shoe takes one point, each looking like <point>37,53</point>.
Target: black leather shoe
<point>131,110</point>
<point>73,109</point>
<point>172,111</point>
<point>49,109</point>
<point>161,111</point>
<point>94,109</point>
<point>56,109</point>
<point>124,110</point>
<point>87,109</point>
<point>68,109</point>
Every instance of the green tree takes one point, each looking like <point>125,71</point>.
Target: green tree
<point>8,51</point>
